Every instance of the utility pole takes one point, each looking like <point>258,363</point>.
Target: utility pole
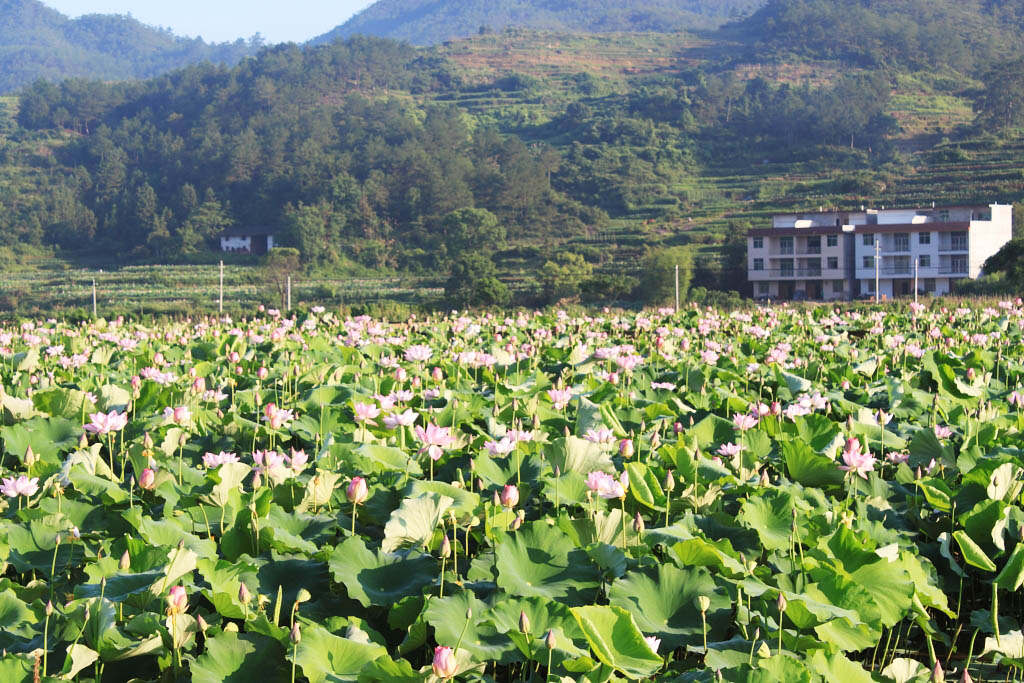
<point>220,302</point>
<point>289,307</point>
<point>677,289</point>
<point>917,272</point>
<point>94,297</point>
<point>878,265</point>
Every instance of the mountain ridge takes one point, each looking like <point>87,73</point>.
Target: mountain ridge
<point>425,22</point>
<point>37,41</point>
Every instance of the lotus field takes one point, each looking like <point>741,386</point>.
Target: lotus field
<point>782,494</point>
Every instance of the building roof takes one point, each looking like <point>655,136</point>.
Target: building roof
<point>861,229</point>
<point>878,209</point>
<point>248,231</point>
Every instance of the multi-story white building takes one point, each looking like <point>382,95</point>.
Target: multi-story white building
<point>831,255</point>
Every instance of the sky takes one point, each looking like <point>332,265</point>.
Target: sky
<point>226,20</point>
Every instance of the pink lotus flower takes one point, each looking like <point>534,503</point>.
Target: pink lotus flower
<point>1016,399</point>
<point>211,460</point>
<point>418,353</point>
<point>729,450</point>
<point>179,415</point>
<point>177,600</point>
<point>504,446</point>
<point>22,486</point>
<point>366,412</point>
<point>444,665</point>
<point>943,432</point>
<point>744,421</point>
<point>403,419</point>
<point>434,439</point>
<point>275,417</point>
<point>600,435</point>
<point>509,496</point>
<point>297,460</point>
<point>104,423</point>
<point>896,457</point>
<point>653,642</point>
<point>262,373</point>
<point>606,486</point>
<point>147,480</point>
<point>560,397</point>
<point>857,461</point>
<point>357,490</point>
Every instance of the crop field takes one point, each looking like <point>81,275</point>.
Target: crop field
<point>777,494</point>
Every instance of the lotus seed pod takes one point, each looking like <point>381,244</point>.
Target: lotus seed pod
<point>704,602</point>
<point>303,596</point>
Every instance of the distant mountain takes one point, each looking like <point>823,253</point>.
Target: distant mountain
<point>425,22</point>
<point>39,42</point>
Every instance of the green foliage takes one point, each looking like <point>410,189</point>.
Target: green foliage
<point>562,277</point>
<point>473,282</point>
<point>657,279</point>
<point>1001,103</point>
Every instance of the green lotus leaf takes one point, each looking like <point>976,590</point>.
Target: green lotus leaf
<point>616,641</point>
<point>412,525</point>
<point>323,656</point>
<point>240,658</point>
<point>380,578</point>
<point>541,560</point>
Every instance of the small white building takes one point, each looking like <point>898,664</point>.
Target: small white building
<point>831,255</point>
<point>247,240</point>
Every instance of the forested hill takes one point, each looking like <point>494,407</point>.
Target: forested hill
<point>426,22</point>
<point>39,42</point>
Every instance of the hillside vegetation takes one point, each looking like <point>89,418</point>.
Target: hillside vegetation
<point>426,22</point>
<point>533,165</point>
<point>39,42</point>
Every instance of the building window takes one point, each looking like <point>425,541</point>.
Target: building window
<point>901,241</point>
<point>762,287</point>
<point>929,284</point>
<point>958,264</point>
<point>833,262</point>
<point>901,265</point>
<point>786,245</point>
<point>924,238</point>
<point>759,264</point>
<point>786,268</point>
<point>838,286</point>
<point>869,240</point>
<point>924,260</point>
<point>869,261</point>
<point>758,243</point>
<point>869,286</point>
<point>832,240</point>
<point>944,215</point>
<point>814,245</point>
<point>958,241</point>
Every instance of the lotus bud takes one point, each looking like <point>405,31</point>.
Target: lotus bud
<point>257,480</point>
<point>509,496</point>
<point>479,484</point>
<point>126,561</point>
<point>436,374</point>
<point>83,442</point>
<point>49,608</point>
<point>262,373</point>
<point>549,639</point>
<point>136,383</point>
<point>638,524</point>
<point>966,677</point>
<point>566,432</point>
<point>536,422</point>
<point>938,675</point>
<point>177,600</point>
<point>497,499</point>
<point>626,449</point>
<point>303,596</point>
<point>202,623</point>
<point>765,481</point>
<point>782,602</point>
<point>147,480</point>
<point>704,603</point>
<point>296,635</point>
<point>670,482</point>
<point>357,491</point>
<point>757,634</point>
<point>446,547</point>
<point>677,428</point>
<point>444,664</point>
<point>401,375</point>
<point>199,385</point>
<point>244,596</point>
<point>558,471</point>
<point>147,441</point>
<point>516,523</point>
<point>524,622</point>
<point>971,374</point>
<point>234,357</point>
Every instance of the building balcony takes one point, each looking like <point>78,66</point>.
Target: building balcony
<point>953,246</point>
<point>785,273</point>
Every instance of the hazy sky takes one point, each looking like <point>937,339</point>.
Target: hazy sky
<point>220,20</point>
